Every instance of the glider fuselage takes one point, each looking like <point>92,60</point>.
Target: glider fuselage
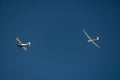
<point>22,45</point>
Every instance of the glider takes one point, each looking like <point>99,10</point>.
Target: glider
<point>20,44</point>
<point>91,40</point>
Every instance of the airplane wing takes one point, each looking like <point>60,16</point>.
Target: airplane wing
<point>24,48</point>
<point>86,34</point>
<point>96,44</point>
<point>18,40</point>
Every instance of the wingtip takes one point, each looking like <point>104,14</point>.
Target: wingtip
<point>16,38</point>
<point>83,29</point>
<point>99,47</point>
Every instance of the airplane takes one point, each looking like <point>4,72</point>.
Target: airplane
<point>22,45</point>
<point>91,40</point>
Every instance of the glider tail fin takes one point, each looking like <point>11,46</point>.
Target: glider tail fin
<point>29,44</point>
<point>96,39</point>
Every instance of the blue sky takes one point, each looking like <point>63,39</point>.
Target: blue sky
<point>60,50</point>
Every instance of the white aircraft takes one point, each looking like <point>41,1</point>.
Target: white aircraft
<point>20,44</point>
<point>91,40</point>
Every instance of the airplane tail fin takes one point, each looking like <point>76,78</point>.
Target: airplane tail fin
<point>29,44</point>
<point>97,38</point>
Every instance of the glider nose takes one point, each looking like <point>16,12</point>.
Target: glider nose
<point>89,40</point>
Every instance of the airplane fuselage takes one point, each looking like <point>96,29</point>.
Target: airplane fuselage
<point>22,45</point>
<point>91,40</point>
